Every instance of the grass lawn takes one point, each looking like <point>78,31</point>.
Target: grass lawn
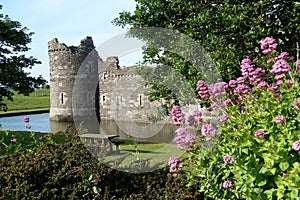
<point>38,100</point>
<point>133,153</point>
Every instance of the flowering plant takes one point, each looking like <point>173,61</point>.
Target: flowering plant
<point>256,151</point>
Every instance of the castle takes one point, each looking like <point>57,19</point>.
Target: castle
<point>102,88</point>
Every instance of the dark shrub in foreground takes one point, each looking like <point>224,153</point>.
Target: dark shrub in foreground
<point>68,171</point>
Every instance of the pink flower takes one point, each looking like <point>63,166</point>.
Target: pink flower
<point>26,119</point>
<point>297,105</point>
<point>259,133</point>
<point>297,63</point>
<point>227,184</point>
<point>268,45</point>
<point>174,163</point>
<point>218,89</point>
<point>177,115</point>
<point>262,84</point>
<point>207,130</point>
<point>291,82</point>
<point>184,139</point>
<point>269,61</point>
<point>296,145</point>
<point>223,118</point>
<point>280,119</point>
<point>242,89</point>
<point>202,89</point>
<point>228,159</point>
<point>240,126</point>
<point>227,102</point>
<point>14,140</point>
<point>285,175</point>
<point>283,55</point>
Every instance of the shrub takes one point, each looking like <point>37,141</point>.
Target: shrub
<point>255,153</point>
<point>68,171</point>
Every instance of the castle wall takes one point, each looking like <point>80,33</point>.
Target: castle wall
<point>122,95</point>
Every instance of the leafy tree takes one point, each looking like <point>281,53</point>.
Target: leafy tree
<point>228,29</point>
<point>13,43</point>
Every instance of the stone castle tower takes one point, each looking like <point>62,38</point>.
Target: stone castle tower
<point>82,86</point>
<point>67,66</point>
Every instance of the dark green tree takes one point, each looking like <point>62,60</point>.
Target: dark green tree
<point>229,30</point>
<point>13,45</point>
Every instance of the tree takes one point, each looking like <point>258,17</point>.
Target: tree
<point>228,29</point>
<point>13,43</point>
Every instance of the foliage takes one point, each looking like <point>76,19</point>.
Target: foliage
<point>13,43</point>
<point>69,171</point>
<point>228,30</point>
<point>255,153</point>
<point>14,141</point>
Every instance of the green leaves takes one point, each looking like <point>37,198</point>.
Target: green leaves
<point>284,166</point>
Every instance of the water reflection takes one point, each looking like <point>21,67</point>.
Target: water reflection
<point>152,132</point>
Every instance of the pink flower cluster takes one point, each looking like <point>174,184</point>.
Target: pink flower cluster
<point>235,83</point>
<point>280,69</point>
<point>241,89</point>
<point>228,102</point>
<point>297,105</point>
<point>297,63</point>
<point>227,184</point>
<point>177,115</point>
<point>202,89</point>
<point>208,131</point>
<point>259,133</point>
<point>195,118</point>
<point>249,71</point>
<point>223,118</point>
<point>175,163</point>
<point>268,45</point>
<point>280,119</point>
<point>296,146</point>
<point>184,139</point>
<point>218,89</point>
<point>228,159</point>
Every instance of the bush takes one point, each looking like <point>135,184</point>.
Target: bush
<point>255,153</point>
<point>69,171</point>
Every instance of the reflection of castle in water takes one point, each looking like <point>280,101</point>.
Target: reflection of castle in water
<point>120,94</point>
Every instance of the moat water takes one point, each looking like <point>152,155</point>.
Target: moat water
<point>151,132</point>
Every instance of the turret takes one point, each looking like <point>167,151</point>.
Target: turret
<point>65,62</point>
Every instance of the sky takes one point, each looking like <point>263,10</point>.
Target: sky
<point>68,20</point>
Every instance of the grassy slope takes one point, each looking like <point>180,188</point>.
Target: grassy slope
<point>38,100</point>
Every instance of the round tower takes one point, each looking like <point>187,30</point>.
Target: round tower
<point>64,63</point>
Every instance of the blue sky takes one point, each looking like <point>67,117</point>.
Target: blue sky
<point>68,20</point>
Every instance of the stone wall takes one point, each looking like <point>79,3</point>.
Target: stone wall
<point>122,95</point>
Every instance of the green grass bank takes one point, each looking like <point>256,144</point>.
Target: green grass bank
<point>36,102</point>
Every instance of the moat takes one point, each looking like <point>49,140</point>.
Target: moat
<point>142,131</point>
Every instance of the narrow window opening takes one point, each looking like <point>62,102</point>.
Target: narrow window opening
<point>62,98</point>
<point>120,99</point>
<point>103,98</point>
<point>89,68</point>
<point>105,75</point>
<point>140,99</point>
